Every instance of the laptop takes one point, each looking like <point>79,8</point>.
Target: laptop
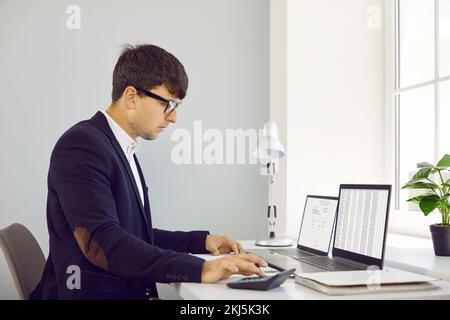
<point>314,236</point>
<point>359,238</point>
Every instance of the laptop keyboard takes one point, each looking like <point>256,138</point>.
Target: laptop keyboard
<point>329,264</point>
<point>323,262</point>
<point>293,253</point>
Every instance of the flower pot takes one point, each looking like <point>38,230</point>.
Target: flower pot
<point>441,239</point>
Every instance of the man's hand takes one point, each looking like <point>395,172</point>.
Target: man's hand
<point>245,264</point>
<point>222,244</point>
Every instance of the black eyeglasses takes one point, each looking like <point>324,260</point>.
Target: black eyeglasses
<point>171,105</point>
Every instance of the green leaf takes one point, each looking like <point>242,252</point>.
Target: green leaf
<point>428,203</point>
<point>422,174</point>
<point>419,185</point>
<point>444,162</point>
<point>442,203</point>
<point>418,198</point>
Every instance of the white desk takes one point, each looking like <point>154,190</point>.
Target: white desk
<point>417,259</point>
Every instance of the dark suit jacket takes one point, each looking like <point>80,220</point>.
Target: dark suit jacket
<point>99,229</point>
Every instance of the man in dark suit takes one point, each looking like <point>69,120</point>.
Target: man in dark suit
<point>102,242</point>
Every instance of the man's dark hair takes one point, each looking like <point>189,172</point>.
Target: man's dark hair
<point>148,66</point>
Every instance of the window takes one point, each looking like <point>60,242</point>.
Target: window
<point>421,93</point>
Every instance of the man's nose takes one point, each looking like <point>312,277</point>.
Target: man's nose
<point>172,117</point>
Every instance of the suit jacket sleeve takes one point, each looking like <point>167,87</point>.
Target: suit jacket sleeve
<point>181,241</point>
<point>81,173</point>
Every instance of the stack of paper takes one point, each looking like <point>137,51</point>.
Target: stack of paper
<point>365,282</point>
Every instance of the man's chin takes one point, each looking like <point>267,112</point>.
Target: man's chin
<point>151,136</point>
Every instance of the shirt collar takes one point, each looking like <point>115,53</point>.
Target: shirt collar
<point>129,145</point>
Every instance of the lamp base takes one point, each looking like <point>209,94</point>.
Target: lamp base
<point>274,242</point>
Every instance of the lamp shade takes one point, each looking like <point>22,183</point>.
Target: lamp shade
<point>270,147</point>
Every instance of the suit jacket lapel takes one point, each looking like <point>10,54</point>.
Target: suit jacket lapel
<point>102,122</point>
<point>130,173</point>
<point>145,188</point>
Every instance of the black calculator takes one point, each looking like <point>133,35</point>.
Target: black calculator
<point>261,283</point>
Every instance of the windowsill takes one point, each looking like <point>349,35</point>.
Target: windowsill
<point>401,241</point>
<point>412,223</point>
<point>415,254</point>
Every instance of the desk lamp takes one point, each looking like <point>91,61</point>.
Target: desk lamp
<point>269,151</point>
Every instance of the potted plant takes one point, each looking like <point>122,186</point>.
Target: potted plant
<point>437,197</point>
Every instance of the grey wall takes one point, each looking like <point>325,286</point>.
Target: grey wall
<point>52,77</point>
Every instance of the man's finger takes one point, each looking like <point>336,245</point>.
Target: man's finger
<point>234,247</point>
<point>240,247</point>
<point>245,267</point>
<point>253,258</point>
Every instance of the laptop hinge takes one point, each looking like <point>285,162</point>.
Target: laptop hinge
<point>359,265</point>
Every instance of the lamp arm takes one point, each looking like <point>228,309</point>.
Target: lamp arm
<point>271,216</point>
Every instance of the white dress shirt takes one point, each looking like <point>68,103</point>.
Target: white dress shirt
<point>129,147</point>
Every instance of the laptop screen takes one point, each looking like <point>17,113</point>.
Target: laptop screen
<point>317,223</point>
<point>362,220</point>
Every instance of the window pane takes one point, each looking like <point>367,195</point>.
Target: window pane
<point>417,118</point>
<point>444,116</point>
<point>416,41</point>
<point>444,38</point>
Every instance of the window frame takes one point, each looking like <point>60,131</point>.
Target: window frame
<point>406,222</point>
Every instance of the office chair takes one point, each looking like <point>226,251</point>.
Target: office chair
<point>24,257</point>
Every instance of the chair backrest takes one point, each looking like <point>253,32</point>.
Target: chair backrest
<point>24,258</point>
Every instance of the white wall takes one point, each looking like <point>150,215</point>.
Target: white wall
<point>52,77</point>
<point>335,99</point>
<point>278,100</point>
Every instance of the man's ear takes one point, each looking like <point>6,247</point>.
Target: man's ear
<point>130,97</point>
